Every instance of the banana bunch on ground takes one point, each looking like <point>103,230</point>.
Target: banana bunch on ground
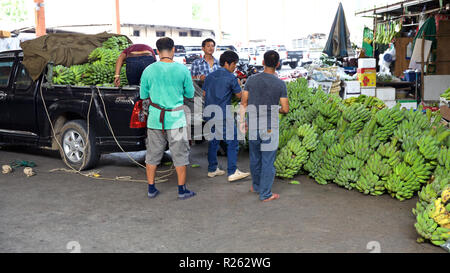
<point>286,135</point>
<point>433,218</point>
<point>332,159</point>
<point>425,225</point>
<point>291,158</point>
<point>63,75</point>
<point>349,172</point>
<point>369,183</point>
<point>374,175</point>
<point>356,115</point>
<point>316,158</point>
<point>402,183</point>
<point>368,101</point>
<point>428,147</point>
<point>388,119</point>
<point>308,137</point>
<point>294,154</point>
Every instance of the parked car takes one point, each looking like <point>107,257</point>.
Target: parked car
<point>245,54</point>
<point>221,49</point>
<point>180,54</point>
<point>293,58</point>
<point>193,53</point>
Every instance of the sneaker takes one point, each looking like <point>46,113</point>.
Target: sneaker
<point>187,194</point>
<point>216,173</point>
<point>153,195</point>
<point>237,175</point>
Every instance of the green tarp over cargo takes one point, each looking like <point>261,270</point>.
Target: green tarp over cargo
<point>61,49</point>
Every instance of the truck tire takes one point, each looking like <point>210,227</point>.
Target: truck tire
<point>293,65</point>
<point>79,151</point>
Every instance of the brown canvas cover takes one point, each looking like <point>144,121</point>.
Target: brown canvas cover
<point>60,48</point>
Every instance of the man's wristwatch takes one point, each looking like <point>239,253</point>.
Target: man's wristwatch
<point>116,76</point>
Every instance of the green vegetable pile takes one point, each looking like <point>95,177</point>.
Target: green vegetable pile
<point>446,94</point>
<point>99,70</point>
<point>358,144</point>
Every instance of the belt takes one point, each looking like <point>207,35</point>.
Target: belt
<point>162,115</point>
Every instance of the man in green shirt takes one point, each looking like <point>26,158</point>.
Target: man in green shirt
<point>165,83</point>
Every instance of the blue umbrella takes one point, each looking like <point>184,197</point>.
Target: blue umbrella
<point>338,44</point>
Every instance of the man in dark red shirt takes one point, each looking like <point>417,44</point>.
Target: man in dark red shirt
<point>137,57</point>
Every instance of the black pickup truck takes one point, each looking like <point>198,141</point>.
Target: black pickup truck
<point>24,119</point>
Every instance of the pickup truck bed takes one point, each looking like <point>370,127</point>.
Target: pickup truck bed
<point>24,119</point>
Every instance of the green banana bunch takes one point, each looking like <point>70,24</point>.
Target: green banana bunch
<point>369,183</point>
<point>429,147</point>
<point>425,225</point>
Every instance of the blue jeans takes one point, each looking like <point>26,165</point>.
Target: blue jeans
<point>263,150</point>
<point>135,67</point>
<point>232,150</point>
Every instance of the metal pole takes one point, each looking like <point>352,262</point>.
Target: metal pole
<point>117,18</point>
<point>40,18</point>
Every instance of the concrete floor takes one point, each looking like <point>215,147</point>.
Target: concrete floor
<point>46,212</point>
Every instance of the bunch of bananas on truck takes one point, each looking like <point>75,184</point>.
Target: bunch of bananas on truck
<point>100,68</point>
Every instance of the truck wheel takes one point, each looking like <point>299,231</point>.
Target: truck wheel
<point>293,65</point>
<point>79,151</point>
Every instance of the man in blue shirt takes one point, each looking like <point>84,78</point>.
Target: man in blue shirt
<point>219,87</point>
<point>204,66</point>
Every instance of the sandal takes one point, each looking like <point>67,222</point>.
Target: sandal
<point>252,190</point>
<point>273,197</point>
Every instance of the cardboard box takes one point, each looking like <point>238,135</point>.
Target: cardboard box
<point>352,87</point>
<point>445,112</point>
<point>386,93</point>
<point>367,63</point>
<point>346,96</point>
<point>5,34</point>
<point>368,92</point>
<point>390,103</point>
<point>408,104</point>
<point>367,77</point>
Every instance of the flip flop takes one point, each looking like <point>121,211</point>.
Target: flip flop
<point>273,197</point>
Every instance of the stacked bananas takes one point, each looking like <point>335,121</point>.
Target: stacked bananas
<point>433,221</point>
<point>63,75</point>
<point>388,120</point>
<point>294,154</point>
<point>100,69</point>
<point>99,74</point>
<point>105,56</point>
<point>373,176</point>
<point>368,101</point>
<point>316,159</point>
<point>290,158</point>
<point>356,115</point>
<point>118,43</point>
<point>349,171</point>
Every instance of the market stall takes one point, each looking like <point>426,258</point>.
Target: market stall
<point>409,46</point>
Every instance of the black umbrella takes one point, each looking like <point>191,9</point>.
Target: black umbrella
<point>338,44</point>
